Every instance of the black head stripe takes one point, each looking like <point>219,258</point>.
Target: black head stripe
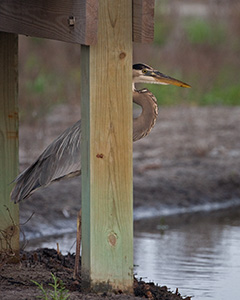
<point>141,66</point>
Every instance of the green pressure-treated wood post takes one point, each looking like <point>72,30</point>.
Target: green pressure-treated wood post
<point>107,216</point>
<point>9,215</point>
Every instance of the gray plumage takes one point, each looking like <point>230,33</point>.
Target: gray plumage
<point>51,164</point>
<point>61,159</point>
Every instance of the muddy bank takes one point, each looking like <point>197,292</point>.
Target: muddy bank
<point>16,281</point>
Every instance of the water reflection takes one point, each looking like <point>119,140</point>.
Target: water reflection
<point>200,258</point>
<point>196,253</point>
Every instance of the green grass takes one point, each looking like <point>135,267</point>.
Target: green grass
<point>57,292</point>
<point>47,90</point>
<point>220,88</point>
<point>167,95</point>
<point>229,95</point>
<point>216,95</point>
<point>225,89</point>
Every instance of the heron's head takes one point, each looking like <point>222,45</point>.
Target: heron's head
<point>145,74</point>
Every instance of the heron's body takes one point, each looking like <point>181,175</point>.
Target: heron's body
<point>61,158</point>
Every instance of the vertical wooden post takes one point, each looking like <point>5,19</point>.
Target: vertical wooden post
<point>9,218</point>
<point>107,217</point>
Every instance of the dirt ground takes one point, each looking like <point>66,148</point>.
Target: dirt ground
<point>16,282</point>
<point>191,160</point>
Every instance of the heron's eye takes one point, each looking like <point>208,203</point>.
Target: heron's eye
<point>144,71</point>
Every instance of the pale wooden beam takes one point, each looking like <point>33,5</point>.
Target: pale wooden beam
<point>69,21</point>
<point>143,21</point>
<point>107,213</point>
<point>9,219</point>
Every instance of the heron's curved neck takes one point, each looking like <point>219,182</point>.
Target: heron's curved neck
<point>143,124</point>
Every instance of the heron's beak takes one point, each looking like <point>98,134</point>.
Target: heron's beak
<point>164,79</point>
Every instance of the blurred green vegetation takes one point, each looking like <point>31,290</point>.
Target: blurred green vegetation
<point>202,50</point>
<point>204,32</point>
<point>228,95</point>
<point>46,77</point>
<point>161,30</point>
<point>224,89</point>
<point>200,47</point>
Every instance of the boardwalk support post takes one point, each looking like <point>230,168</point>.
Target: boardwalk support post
<point>9,226</point>
<point>107,216</point>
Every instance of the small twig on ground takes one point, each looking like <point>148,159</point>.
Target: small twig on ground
<point>78,243</point>
<point>58,250</point>
<point>25,242</point>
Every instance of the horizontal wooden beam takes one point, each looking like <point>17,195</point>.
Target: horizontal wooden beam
<point>143,21</point>
<point>72,21</point>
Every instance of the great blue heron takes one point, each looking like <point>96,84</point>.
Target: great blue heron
<point>61,158</point>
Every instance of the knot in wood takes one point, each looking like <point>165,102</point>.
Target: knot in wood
<point>10,231</point>
<point>122,55</point>
<point>112,239</point>
<point>71,21</point>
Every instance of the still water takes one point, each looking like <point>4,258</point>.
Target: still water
<point>199,253</point>
<point>201,259</point>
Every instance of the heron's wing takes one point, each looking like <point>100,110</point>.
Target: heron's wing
<point>60,159</point>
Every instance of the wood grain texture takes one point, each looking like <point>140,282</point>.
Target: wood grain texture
<point>143,21</point>
<point>69,21</point>
<point>107,214</point>
<point>9,218</point>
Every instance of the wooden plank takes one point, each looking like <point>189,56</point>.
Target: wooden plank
<point>9,218</point>
<point>143,21</point>
<point>107,214</point>
<point>69,21</point>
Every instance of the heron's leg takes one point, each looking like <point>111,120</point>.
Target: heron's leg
<point>78,243</point>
